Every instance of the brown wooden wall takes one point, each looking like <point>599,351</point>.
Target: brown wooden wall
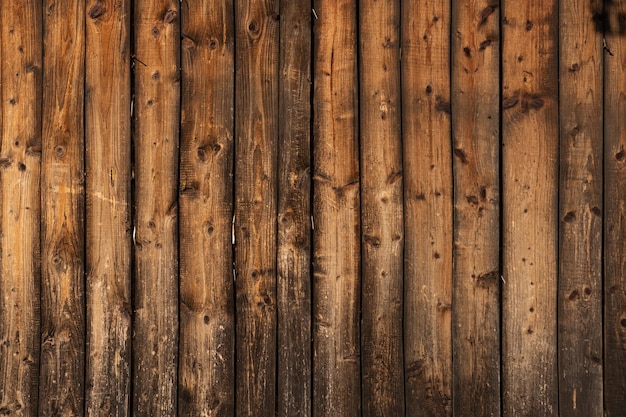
<point>313,208</point>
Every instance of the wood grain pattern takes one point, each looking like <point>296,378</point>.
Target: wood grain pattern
<point>206,384</point>
<point>427,207</point>
<point>530,205</point>
<point>62,368</point>
<point>475,53</point>
<point>336,212</point>
<point>108,217</point>
<point>20,165</point>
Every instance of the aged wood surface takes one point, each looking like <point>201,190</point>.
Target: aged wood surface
<point>155,134</point>
<point>108,217</point>
<point>207,323</point>
<point>336,212</point>
<point>20,164</point>
<point>476,139</point>
<point>530,204</point>
<point>294,212</point>
<point>62,367</point>
<point>427,207</point>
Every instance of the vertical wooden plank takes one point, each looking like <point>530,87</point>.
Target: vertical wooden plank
<point>207,322</point>
<point>20,165</point>
<point>336,206</point>
<point>382,211</point>
<point>580,211</point>
<point>294,211</point>
<point>530,205</point>
<point>108,222</point>
<point>427,207</point>
<point>476,133</point>
<point>62,368</point>
<point>256,146</point>
<point>614,209</point>
<point>156,120</point>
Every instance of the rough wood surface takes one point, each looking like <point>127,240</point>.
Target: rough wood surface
<point>155,132</point>
<point>294,212</point>
<point>336,208</point>
<point>530,207</point>
<point>580,211</point>
<point>20,208</point>
<point>108,221</point>
<point>427,207</point>
<point>381,208</point>
<point>207,322</point>
<point>476,139</point>
<point>62,368</point>
<point>256,170</point>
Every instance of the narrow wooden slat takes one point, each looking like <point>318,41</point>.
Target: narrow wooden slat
<point>530,223</point>
<point>614,209</point>
<point>336,221</point>
<point>156,119</point>
<point>580,211</point>
<point>108,222</point>
<point>381,208</point>
<point>476,132</point>
<point>427,207</point>
<point>206,381</point>
<point>256,146</point>
<point>62,368</point>
<point>20,165</point>
<point>294,216</point>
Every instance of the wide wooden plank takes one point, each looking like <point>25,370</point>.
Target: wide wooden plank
<point>427,207</point>
<point>336,207</point>
<point>580,211</point>
<point>614,209</point>
<point>108,221</point>
<point>206,382</point>
<point>20,208</point>
<point>62,368</point>
<point>475,53</point>
<point>256,148</point>
<point>530,207</point>
<point>294,212</point>
<point>381,208</point>
<point>156,31</point>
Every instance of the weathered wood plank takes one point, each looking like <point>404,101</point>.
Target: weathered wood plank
<point>62,368</point>
<point>336,207</point>
<point>614,209</point>
<point>207,322</point>
<point>156,119</point>
<point>294,211</point>
<point>20,165</point>
<point>476,131</point>
<point>256,171</point>
<point>108,221</point>
<point>580,211</point>
<point>381,208</point>
<point>530,207</point>
<point>427,207</point>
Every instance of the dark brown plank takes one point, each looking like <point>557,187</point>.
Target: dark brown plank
<point>256,146</point>
<point>108,222</point>
<point>476,132</point>
<point>336,221</point>
<point>427,207</point>
<point>62,368</point>
<point>294,212</point>
<point>206,384</point>
<point>530,207</point>
<point>580,211</point>
<point>156,119</point>
<point>20,208</point>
